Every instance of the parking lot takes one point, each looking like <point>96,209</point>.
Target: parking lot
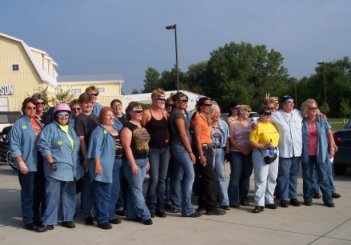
<point>293,225</point>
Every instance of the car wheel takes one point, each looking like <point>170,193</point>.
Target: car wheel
<point>340,170</point>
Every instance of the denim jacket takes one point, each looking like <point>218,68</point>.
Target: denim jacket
<point>97,108</point>
<point>322,148</point>
<point>118,124</point>
<point>54,142</point>
<point>23,142</point>
<point>102,146</point>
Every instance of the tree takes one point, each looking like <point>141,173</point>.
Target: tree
<point>135,91</point>
<point>61,96</point>
<point>151,80</point>
<point>345,108</point>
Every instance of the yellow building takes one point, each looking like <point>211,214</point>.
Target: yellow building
<point>23,71</point>
<point>109,85</point>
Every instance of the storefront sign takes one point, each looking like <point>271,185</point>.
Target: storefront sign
<point>6,90</point>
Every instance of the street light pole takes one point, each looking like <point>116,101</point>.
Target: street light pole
<point>324,82</point>
<point>174,27</point>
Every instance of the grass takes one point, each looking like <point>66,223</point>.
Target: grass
<point>336,123</point>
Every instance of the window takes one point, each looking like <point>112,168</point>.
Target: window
<point>101,90</point>
<point>15,67</point>
<point>76,91</point>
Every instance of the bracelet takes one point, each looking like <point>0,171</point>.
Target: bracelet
<point>200,156</point>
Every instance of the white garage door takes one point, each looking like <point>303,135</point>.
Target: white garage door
<point>4,104</point>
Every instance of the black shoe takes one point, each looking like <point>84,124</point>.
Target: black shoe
<point>38,223</point>
<point>216,212</point>
<point>336,195</point>
<point>295,202</point>
<point>271,206</point>
<point>258,209</point>
<point>148,222</point>
<point>45,228</point>
<point>152,213</point>
<point>329,204</point>
<point>161,214</point>
<point>284,204</point>
<point>136,219</point>
<point>235,205</point>
<point>225,207</point>
<point>201,210</point>
<point>196,214</point>
<point>307,203</point>
<point>68,224</point>
<point>115,221</point>
<point>245,203</point>
<point>174,210</point>
<point>30,226</point>
<point>121,212</point>
<point>105,226</point>
<point>89,220</point>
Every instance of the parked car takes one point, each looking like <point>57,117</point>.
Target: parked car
<point>342,158</point>
<point>253,117</point>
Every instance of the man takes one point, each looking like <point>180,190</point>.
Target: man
<point>288,122</point>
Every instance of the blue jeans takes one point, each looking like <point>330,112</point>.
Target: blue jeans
<point>87,196</point>
<point>175,173</point>
<point>322,170</point>
<point>102,201</point>
<point>186,165</point>
<point>116,186</point>
<point>218,163</point>
<point>288,173</point>
<point>136,205</point>
<point>315,182</point>
<point>239,182</point>
<point>159,159</point>
<point>56,190</point>
<point>27,196</point>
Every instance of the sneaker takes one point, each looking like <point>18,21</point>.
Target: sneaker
<point>245,203</point>
<point>336,195</point>
<point>148,222</point>
<point>105,226</point>
<point>295,202</point>
<point>161,214</point>
<point>258,209</point>
<point>329,204</point>
<point>115,221</point>
<point>45,228</point>
<point>271,206</point>
<point>216,212</point>
<point>196,214</point>
<point>317,195</point>
<point>68,224</point>
<point>284,204</point>
<point>89,220</point>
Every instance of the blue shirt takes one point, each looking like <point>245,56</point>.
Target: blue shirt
<point>23,142</point>
<point>102,146</point>
<point>54,142</point>
<point>322,149</point>
<point>97,108</point>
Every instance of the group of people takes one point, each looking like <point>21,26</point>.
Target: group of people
<point>105,154</point>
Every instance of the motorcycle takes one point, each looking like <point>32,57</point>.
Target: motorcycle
<point>5,155</point>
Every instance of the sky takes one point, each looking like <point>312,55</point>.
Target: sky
<point>126,37</point>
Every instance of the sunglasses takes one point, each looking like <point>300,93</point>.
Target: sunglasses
<point>96,94</point>
<point>40,103</point>
<point>248,111</point>
<point>184,101</point>
<point>63,114</point>
<point>169,105</point>
<point>162,99</point>
<point>289,101</point>
<point>267,113</point>
<point>76,109</point>
<point>31,108</point>
<point>313,108</point>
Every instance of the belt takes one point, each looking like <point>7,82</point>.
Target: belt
<point>118,156</point>
<point>206,145</point>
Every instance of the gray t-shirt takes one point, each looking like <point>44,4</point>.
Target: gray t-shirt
<point>177,114</point>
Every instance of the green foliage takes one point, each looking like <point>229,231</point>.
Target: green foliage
<point>61,96</point>
<point>135,91</point>
<point>324,108</point>
<point>345,108</point>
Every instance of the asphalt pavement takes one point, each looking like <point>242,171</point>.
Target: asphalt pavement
<point>315,225</point>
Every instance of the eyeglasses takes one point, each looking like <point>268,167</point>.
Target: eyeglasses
<point>95,94</point>
<point>313,108</point>
<point>162,99</point>
<point>31,108</point>
<point>76,109</point>
<point>63,114</point>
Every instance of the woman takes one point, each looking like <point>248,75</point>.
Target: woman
<point>233,112</point>
<point>183,154</point>
<point>317,147</point>
<point>203,145</point>
<point>75,111</point>
<point>220,135</point>
<point>23,137</point>
<point>135,141</point>
<point>240,158</point>
<point>40,102</point>
<point>105,160</point>
<point>155,120</point>
<point>264,138</point>
<point>120,117</point>
<point>59,145</point>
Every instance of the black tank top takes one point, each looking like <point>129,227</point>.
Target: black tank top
<point>158,130</point>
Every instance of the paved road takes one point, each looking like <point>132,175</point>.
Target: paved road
<point>315,225</point>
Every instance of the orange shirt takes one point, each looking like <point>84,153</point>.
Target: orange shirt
<point>205,132</point>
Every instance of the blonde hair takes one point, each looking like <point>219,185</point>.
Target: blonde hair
<point>213,108</point>
<point>242,108</point>
<point>157,92</point>
<point>305,106</point>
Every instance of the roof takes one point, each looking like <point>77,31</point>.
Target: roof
<point>88,78</point>
<point>42,73</point>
